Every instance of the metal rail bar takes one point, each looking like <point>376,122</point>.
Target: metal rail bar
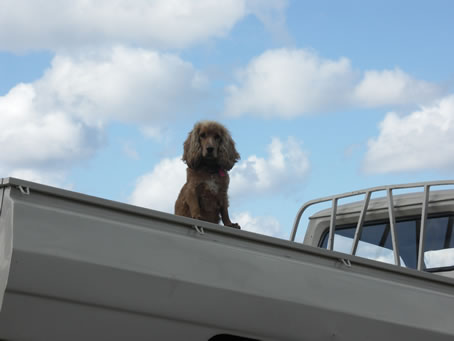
<point>367,195</point>
<point>392,226</point>
<point>422,232</point>
<point>359,227</point>
<point>2,192</point>
<point>332,225</point>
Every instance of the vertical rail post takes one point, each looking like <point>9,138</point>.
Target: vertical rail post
<point>359,227</point>
<point>297,220</point>
<point>392,224</point>
<point>422,232</point>
<point>2,191</point>
<point>332,224</point>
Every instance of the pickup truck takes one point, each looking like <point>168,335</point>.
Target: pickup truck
<point>370,267</point>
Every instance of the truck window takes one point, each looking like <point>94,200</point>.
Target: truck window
<point>439,244</point>
<point>375,242</point>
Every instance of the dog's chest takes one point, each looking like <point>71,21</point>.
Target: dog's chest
<point>212,184</point>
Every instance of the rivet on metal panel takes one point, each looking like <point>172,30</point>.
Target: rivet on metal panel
<point>24,190</point>
<point>199,229</point>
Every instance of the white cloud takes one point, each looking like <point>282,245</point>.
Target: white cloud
<point>293,82</point>
<point>58,120</point>
<point>40,145</point>
<point>30,24</point>
<point>263,225</point>
<point>52,177</point>
<point>125,84</point>
<point>393,87</point>
<point>287,162</point>
<point>420,140</point>
<point>288,83</point>
<point>159,189</point>
<point>272,14</point>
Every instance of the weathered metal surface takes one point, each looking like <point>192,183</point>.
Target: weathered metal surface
<point>88,268</point>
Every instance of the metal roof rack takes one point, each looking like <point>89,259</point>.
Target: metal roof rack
<point>392,219</point>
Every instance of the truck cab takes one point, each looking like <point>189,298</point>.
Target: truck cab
<point>412,230</point>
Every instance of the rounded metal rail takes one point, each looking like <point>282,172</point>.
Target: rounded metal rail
<point>392,219</point>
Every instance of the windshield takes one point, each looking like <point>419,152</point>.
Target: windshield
<point>375,242</point>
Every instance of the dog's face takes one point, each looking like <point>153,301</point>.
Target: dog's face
<point>210,140</point>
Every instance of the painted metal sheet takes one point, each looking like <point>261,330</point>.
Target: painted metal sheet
<point>6,248</point>
<point>88,268</point>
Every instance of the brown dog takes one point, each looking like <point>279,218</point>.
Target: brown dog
<point>209,152</point>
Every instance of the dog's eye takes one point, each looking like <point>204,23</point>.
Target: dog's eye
<point>217,137</point>
<point>203,135</point>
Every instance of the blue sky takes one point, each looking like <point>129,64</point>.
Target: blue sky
<point>321,97</point>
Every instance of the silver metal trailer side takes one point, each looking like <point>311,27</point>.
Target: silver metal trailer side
<point>85,268</point>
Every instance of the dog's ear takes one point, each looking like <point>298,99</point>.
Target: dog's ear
<point>228,155</point>
<point>192,150</point>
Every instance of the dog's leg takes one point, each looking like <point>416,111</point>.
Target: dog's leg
<point>226,219</point>
<point>193,203</point>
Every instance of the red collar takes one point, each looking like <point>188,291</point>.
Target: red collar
<point>221,172</point>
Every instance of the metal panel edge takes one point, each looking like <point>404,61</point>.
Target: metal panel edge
<point>284,247</point>
<point>6,244</point>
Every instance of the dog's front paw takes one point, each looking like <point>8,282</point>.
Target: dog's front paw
<point>234,225</point>
<point>197,216</point>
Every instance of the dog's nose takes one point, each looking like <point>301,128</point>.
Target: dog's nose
<point>210,150</point>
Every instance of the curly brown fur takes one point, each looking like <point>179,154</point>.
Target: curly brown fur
<point>209,152</point>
